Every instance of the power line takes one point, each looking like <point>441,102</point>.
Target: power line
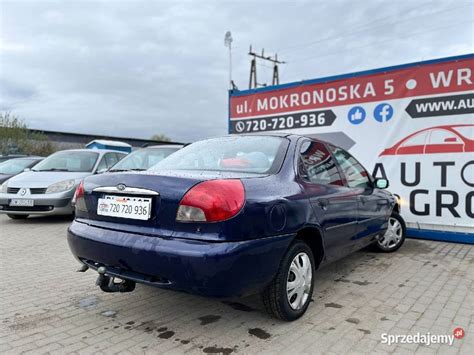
<point>380,42</point>
<point>363,29</point>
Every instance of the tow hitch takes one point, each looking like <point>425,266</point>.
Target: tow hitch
<point>113,284</point>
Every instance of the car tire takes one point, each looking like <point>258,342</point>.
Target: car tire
<point>18,216</point>
<point>292,304</point>
<point>394,237</point>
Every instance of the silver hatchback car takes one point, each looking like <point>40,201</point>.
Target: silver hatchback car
<point>49,187</point>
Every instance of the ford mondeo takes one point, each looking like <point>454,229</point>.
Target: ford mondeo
<point>233,216</point>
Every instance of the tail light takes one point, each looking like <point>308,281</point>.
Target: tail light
<point>212,201</point>
<point>78,198</point>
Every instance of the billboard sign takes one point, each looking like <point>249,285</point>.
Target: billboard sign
<point>413,124</point>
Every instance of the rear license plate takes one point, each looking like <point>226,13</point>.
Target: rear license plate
<point>17,202</point>
<point>125,207</point>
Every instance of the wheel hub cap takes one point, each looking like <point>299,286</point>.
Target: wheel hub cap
<point>298,283</point>
<point>393,235</point>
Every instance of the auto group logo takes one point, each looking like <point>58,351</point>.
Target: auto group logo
<point>22,192</point>
<point>434,140</point>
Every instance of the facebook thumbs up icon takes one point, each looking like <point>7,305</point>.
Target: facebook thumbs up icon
<point>356,115</point>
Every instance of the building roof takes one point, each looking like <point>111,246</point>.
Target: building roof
<point>81,138</point>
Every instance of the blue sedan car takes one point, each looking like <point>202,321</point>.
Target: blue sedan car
<point>233,216</point>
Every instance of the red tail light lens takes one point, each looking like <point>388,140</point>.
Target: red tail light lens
<point>78,198</point>
<point>212,201</point>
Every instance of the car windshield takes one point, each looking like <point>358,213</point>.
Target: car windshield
<point>143,159</point>
<point>75,161</point>
<point>249,154</point>
<point>15,166</point>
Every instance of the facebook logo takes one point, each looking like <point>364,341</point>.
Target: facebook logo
<point>383,112</point>
<point>356,115</point>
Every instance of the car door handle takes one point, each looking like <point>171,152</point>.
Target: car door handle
<point>323,203</point>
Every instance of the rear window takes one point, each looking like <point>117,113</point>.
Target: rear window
<point>248,154</point>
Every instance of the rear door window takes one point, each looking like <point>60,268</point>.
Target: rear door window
<point>316,164</point>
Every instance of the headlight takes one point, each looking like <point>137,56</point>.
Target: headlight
<point>61,186</point>
<point>3,188</point>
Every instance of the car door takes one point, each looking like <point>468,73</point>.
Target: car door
<point>373,204</point>
<point>333,203</point>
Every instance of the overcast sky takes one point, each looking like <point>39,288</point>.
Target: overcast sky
<point>137,68</point>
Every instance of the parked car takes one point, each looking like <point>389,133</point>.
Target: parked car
<point>12,167</point>
<point>144,158</point>
<point>435,140</point>
<point>49,187</point>
<point>10,156</point>
<point>233,216</point>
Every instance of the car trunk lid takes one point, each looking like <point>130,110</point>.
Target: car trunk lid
<point>170,188</point>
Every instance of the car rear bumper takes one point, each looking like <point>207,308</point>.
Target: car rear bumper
<point>216,269</point>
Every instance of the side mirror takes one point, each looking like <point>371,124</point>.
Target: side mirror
<point>26,170</point>
<point>381,183</point>
<point>101,171</point>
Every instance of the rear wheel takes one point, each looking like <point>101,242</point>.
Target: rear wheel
<point>18,216</point>
<point>394,237</point>
<point>288,296</point>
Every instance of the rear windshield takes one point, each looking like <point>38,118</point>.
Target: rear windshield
<point>76,161</point>
<point>143,159</point>
<point>248,154</point>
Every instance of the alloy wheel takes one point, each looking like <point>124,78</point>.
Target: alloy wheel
<point>393,235</point>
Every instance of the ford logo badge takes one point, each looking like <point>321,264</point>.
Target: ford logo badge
<point>121,187</point>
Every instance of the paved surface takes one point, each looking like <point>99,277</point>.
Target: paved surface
<point>46,307</point>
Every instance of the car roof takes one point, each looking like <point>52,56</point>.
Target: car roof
<point>164,146</point>
<point>283,135</point>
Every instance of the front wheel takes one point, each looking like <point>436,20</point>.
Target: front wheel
<point>394,237</point>
<point>288,296</point>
